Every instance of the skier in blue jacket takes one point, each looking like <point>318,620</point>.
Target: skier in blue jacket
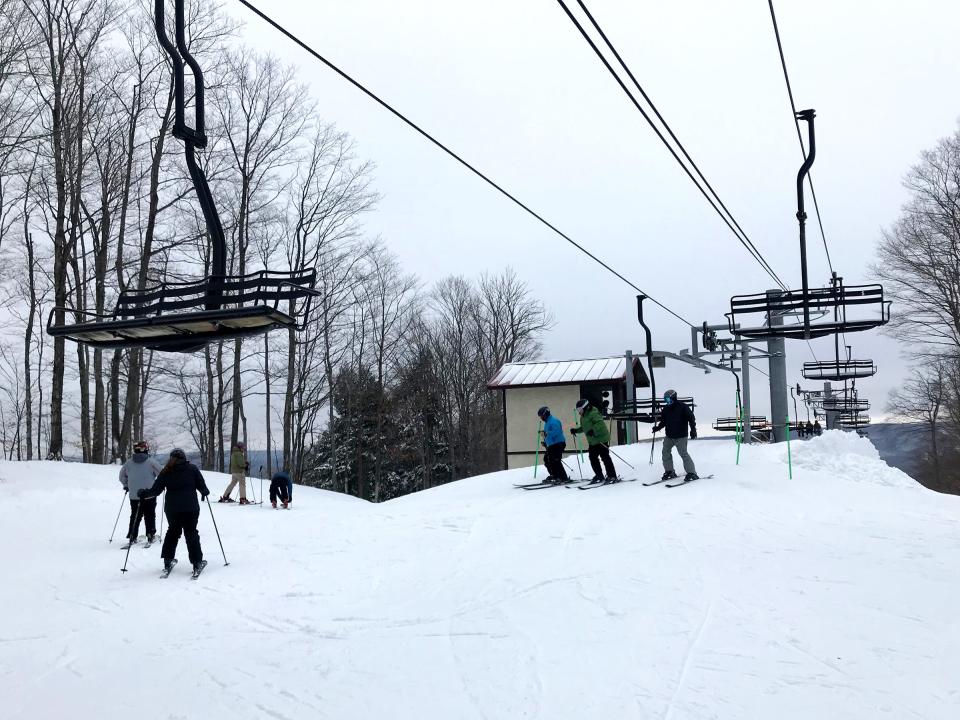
<point>555,443</point>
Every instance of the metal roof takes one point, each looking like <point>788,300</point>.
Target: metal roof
<point>567,372</point>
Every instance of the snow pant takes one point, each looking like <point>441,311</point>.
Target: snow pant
<point>278,488</point>
<point>681,445</point>
<point>553,461</point>
<point>289,490</point>
<point>599,452</point>
<point>146,509</point>
<point>186,523</point>
<point>237,478</point>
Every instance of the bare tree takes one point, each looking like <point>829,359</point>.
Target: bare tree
<point>922,398</point>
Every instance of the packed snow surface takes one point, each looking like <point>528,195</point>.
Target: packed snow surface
<point>749,595</point>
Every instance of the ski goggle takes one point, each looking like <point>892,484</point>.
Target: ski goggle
<point>668,399</point>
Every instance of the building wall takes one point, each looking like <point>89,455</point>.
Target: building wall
<point>522,421</point>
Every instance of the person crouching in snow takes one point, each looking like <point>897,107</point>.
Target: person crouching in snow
<point>598,438</point>
<point>182,481</point>
<point>238,474</point>
<point>138,473</point>
<point>279,488</point>
<point>555,443</point>
<point>675,416</point>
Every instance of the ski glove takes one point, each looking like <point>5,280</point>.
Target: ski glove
<point>589,433</point>
<point>142,493</point>
<point>693,434</point>
<point>574,431</point>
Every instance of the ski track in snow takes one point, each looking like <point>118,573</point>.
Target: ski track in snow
<point>751,596</point>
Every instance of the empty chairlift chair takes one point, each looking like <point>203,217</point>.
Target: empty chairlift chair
<point>186,316</point>
<point>808,312</point>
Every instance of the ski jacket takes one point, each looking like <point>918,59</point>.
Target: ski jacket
<point>238,463</point>
<point>595,429</point>
<point>676,418</point>
<point>138,473</point>
<point>281,476</point>
<point>182,481</point>
<point>553,431</point>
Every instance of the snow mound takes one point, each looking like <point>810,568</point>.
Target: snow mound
<point>847,455</point>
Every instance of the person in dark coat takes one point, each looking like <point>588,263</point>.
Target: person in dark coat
<point>809,429</point>
<point>182,481</point>
<point>279,488</point>
<point>555,443</point>
<point>817,429</point>
<point>675,418</point>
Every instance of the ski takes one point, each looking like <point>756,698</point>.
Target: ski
<point>533,484</point>
<point>544,486</point>
<point>592,485</point>
<point>687,482</point>
<point>198,570</point>
<point>166,572</point>
<point>661,480</point>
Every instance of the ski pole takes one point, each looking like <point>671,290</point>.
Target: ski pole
<point>117,521</point>
<point>578,454</point>
<point>261,486</point>
<point>620,458</point>
<point>210,506</point>
<point>134,539</point>
<point>789,456</point>
<point>653,444</point>
<point>163,511</point>
<point>536,459</point>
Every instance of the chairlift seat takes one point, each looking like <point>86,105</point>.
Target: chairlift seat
<point>186,316</point>
<point>839,370</point>
<point>758,423</point>
<point>845,405</point>
<point>853,421</point>
<point>839,309</point>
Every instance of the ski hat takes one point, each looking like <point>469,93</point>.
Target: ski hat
<point>582,405</point>
<point>240,444</point>
<point>670,397</point>
<point>543,412</point>
<point>178,454</point>
<point>141,446</point>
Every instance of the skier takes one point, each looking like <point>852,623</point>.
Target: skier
<point>279,487</point>
<point>809,430</point>
<point>238,474</point>
<point>182,481</point>
<point>139,472</point>
<point>675,416</point>
<point>555,443</point>
<point>817,429</point>
<point>598,438</point>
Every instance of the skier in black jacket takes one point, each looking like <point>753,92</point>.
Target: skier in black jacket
<point>675,417</point>
<point>182,481</point>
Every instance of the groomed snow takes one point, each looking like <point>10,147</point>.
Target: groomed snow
<point>749,595</point>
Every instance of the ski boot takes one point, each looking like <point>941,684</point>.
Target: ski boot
<point>690,476</point>
<point>244,501</point>
<point>130,542</point>
<point>274,504</point>
<point>668,475</point>
<point>226,499</point>
<point>151,539</point>
<point>596,479</point>
<point>285,505</point>
<point>612,479</point>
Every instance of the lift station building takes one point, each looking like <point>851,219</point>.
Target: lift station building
<point>526,387</point>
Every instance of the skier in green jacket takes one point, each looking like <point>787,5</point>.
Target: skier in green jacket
<point>598,438</point>
<point>238,474</point>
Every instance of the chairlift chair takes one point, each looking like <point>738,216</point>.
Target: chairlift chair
<point>186,316</point>
<point>847,403</point>
<point>824,311</point>
<point>853,421</point>
<point>758,423</point>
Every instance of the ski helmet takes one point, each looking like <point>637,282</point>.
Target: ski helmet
<point>240,444</point>
<point>582,405</point>
<point>141,447</point>
<point>178,454</point>
<point>670,397</point>
<point>543,413</point>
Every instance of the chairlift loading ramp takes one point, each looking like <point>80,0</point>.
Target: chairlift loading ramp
<point>186,316</point>
<point>846,309</point>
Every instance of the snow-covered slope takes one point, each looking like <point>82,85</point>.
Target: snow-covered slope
<point>744,596</point>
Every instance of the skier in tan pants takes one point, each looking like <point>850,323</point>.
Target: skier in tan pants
<point>238,474</point>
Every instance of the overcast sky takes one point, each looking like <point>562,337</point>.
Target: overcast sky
<point>513,87</point>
